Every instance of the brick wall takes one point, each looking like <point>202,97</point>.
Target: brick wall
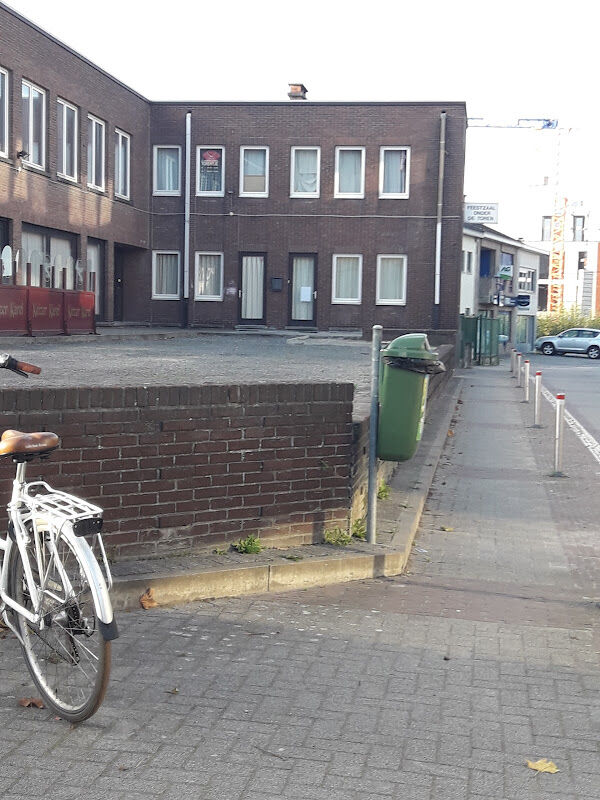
<point>182,467</point>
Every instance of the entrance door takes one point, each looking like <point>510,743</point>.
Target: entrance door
<point>303,294</point>
<point>252,291</point>
<point>118,286</point>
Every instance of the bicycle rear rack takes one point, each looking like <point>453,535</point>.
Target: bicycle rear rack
<point>58,508</point>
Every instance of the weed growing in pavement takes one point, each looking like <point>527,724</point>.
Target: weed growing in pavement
<point>337,537</point>
<point>383,492</point>
<point>251,544</point>
<point>359,528</point>
<point>220,551</point>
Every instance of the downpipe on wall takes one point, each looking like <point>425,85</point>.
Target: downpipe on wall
<point>438,223</point>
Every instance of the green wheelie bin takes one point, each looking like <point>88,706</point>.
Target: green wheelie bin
<point>406,364</point>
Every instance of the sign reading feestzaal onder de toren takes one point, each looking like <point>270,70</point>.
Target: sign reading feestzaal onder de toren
<point>481,212</point>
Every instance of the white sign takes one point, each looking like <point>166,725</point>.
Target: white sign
<point>481,212</point>
<point>305,294</point>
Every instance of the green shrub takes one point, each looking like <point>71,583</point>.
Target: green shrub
<point>359,528</point>
<point>549,324</point>
<point>383,492</point>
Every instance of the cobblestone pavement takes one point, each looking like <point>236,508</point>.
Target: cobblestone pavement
<point>210,358</point>
<point>438,684</point>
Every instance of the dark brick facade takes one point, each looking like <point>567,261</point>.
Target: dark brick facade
<point>276,226</point>
<point>182,467</point>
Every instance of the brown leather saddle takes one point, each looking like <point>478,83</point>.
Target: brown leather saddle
<point>27,445</point>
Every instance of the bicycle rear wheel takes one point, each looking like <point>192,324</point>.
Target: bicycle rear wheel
<point>68,658</point>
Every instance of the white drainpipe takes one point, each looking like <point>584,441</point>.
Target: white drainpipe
<point>440,209</point>
<point>186,244</point>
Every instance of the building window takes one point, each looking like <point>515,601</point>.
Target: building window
<point>3,112</point>
<point>526,280</point>
<point>122,160</point>
<point>209,276</point>
<point>391,280</point>
<point>467,265</point>
<point>165,275</point>
<point>349,172</point>
<point>346,286</point>
<point>393,172</point>
<point>546,229</point>
<point>95,153</point>
<point>66,134</point>
<point>305,169</point>
<point>578,229</point>
<point>34,125</point>
<point>167,170</point>
<point>210,171</point>
<point>254,172</point>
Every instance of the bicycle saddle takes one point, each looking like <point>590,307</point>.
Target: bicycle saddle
<point>16,443</point>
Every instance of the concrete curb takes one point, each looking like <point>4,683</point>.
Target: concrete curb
<point>403,509</point>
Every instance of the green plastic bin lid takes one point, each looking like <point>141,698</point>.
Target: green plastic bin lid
<point>411,345</point>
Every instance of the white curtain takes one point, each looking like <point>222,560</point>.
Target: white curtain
<point>60,253</point>
<point>255,170</point>
<point>350,171</point>
<point>305,171</point>
<point>394,171</point>
<point>346,278</point>
<point>302,288</point>
<point>209,275</point>
<point>95,270</point>
<point>166,277</point>
<point>253,270</point>
<point>391,279</point>
<point>32,246</point>
<point>167,169</point>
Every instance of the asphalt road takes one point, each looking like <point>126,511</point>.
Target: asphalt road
<point>579,378</point>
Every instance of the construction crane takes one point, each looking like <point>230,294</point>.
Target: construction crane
<point>556,276</point>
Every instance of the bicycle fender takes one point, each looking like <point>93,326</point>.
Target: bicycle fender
<point>95,578</point>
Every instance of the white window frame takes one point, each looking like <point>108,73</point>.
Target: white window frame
<point>208,297</point>
<point>243,149</point>
<point>6,118</point>
<point>91,152</point>
<point>385,301</point>
<point>344,300</point>
<point>317,192</point>
<point>393,195</point>
<point>166,253</point>
<point>199,148</point>
<point>118,166</point>
<point>65,104</point>
<point>165,192</point>
<point>27,161</point>
<point>349,195</point>
<point>529,278</point>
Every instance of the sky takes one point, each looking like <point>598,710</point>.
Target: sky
<point>518,58</point>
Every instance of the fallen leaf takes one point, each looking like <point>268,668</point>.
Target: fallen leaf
<point>147,599</point>
<point>174,690</point>
<point>31,702</point>
<point>450,433</point>
<point>446,528</point>
<point>543,765</point>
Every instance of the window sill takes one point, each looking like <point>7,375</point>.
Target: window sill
<point>164,297</point>
<point>96,189</point>
<point>335,302</point>
<point>207,299</point>
<point>166,194</point>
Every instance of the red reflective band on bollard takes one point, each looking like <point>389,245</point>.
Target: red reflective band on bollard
<point>560,396</point>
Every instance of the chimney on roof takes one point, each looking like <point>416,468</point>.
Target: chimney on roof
<point>297,91</point>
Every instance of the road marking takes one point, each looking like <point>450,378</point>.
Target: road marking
<point>584,436</point>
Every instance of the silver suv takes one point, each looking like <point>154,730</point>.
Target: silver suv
<point>575,340</point>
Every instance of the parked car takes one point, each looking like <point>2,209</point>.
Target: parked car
<point>575,340</point>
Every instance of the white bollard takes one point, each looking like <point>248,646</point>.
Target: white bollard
<point>558,434</point>
<point>537,401</point>
<point>519,359</point>
<point>526,379</point>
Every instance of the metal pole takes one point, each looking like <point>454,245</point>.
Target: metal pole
<point>513,354</point>
<point>558,435</point>
<point>519,359</point>
<point>373,425</point>
<point>537,401</point>
<point>526,379</point>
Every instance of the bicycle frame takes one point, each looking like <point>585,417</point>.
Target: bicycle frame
<point>22,508</point>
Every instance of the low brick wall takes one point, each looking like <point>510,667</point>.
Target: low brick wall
<point>177,468</point>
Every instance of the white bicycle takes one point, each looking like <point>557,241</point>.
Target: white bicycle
<point>54,595</point>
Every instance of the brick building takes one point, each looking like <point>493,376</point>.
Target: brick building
<point>293,214</point>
